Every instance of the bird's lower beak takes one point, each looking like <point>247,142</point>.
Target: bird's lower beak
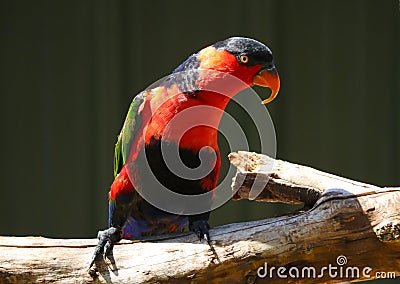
<point>268,78</point>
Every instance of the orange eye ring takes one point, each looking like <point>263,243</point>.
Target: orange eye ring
<point>244,59</point>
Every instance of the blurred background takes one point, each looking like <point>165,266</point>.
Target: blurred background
<point>69,70</point>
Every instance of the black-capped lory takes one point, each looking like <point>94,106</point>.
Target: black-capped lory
<point>179,116</point>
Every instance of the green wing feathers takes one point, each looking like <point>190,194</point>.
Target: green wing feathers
<point>128,132</point>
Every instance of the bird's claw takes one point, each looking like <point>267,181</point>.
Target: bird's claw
<point>201,229</point>
<point>107,239</point>
<point>206,237</point>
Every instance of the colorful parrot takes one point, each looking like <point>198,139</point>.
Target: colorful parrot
<point>201,88</point>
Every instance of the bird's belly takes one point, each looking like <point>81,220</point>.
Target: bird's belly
<point>180,170</point>
<point>154,169</point>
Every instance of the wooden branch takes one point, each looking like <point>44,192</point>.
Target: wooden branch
<point>279,181</point>
<point>350,221</point>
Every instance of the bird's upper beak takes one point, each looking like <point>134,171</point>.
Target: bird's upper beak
<point>268,78</point>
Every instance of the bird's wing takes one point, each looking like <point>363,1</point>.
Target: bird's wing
<point>128,132</point>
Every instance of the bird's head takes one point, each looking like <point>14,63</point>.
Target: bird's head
<point>246,59</point>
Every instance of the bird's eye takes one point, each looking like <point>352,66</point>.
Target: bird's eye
<point>244,59</point>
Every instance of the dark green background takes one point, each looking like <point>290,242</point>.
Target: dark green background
<point>69,70</point>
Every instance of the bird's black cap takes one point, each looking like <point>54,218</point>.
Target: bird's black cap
<point>257,52</point>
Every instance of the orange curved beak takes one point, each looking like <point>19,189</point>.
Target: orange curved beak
<point>268,78</point>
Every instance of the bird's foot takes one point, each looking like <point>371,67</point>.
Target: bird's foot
<point>107,239</point>
<point>201,229</point>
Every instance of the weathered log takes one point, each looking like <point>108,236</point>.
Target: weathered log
<point>270,180</point>
<point>352,228</point>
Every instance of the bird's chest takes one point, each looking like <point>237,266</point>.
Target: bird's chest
<point>187,122</point>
